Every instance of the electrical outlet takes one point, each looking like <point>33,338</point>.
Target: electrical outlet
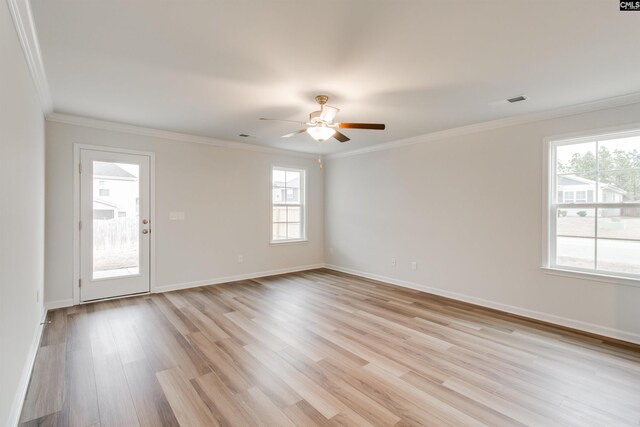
<point>393,262</point>
<point>240,258</point>
<point>414,265</point>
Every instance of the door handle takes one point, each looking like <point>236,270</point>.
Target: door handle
<point>145,231</point>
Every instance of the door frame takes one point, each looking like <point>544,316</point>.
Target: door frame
<point>76,213</point>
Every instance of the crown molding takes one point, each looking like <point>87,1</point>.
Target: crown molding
<point>165,134</point>
<point>602,104</point>
<point>23,21</point>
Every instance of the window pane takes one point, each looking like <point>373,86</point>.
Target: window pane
<point>619,186</point>
<point>575,252</point>
<point>621,153</point>
<point>279,214</point>
<point>576,158</point>
<point>115,219</point>
<point>293,195</point>
<point>619,223</point>
<point>279,231</point>
<point>293,230</point>
<point>279,195</point>
<point>293,179</point>
<point>294,214</point>
<point>619,256</point>
<point>576,222</point>
<point>278,178</point>
<point>575,188</point>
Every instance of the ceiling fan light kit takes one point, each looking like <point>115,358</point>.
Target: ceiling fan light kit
<point>321,133</point>
<point>322,127</point>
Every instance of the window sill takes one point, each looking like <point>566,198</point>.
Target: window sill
<point>288,242</point>
<point>602,278</point>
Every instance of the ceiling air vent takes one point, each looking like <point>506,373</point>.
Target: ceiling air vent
<point>517,99</point>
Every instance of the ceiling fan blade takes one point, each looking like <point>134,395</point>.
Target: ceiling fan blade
<point>281,120</point>
<point>289,135</point>
<point>372,126</point>
<point>341,137</point>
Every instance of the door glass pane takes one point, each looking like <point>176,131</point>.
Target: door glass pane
<point>116,219</point>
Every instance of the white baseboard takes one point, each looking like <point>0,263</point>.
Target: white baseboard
<point>52,305</point>
<point>521,311</point>
<point>235,278</point>
<point>21,392</point>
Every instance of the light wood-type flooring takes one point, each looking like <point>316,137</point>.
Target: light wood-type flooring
<point>321,348</point>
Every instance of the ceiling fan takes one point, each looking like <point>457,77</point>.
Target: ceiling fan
<point>321,125</point>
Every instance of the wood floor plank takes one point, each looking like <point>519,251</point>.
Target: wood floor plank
<point>319,398</point>
<point>187,406</point>
<point>114,398</point>
<point>81,400</point>
<point>149,400</point>
<point>47,388</point>
<point>322,348</point>
<point>220,363</point>
<point>221,401</point>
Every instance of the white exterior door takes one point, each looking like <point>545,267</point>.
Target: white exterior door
<point>115,226</point>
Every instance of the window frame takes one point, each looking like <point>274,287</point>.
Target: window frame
<point>302,204</point>
<point>551,207</point>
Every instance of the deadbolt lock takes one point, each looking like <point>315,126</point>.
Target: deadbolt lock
<point>145,221</point>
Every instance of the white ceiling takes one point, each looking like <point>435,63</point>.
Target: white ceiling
<point>214,67</point>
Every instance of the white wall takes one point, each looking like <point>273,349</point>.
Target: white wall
<point>22,154</point>
<point>225,194</point>
<point>468,209</point>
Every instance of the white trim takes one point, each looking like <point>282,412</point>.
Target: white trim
<point>27,370</point>
<point>76,212</point>
<point>54,305</point>
<point>302,204</point>
<point>593,276</point>
<point>520,311</point>
<point>173,136</point>
<point>227,279</point>
<point>288,242</point>
<point>602,104</point>
<point>25,28</point>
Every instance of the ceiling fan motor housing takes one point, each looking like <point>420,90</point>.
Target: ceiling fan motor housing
<point>322,99</point>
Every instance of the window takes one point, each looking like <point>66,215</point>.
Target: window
<point>287,205</point>
<point>594,217</point>
<point>104,192</point>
